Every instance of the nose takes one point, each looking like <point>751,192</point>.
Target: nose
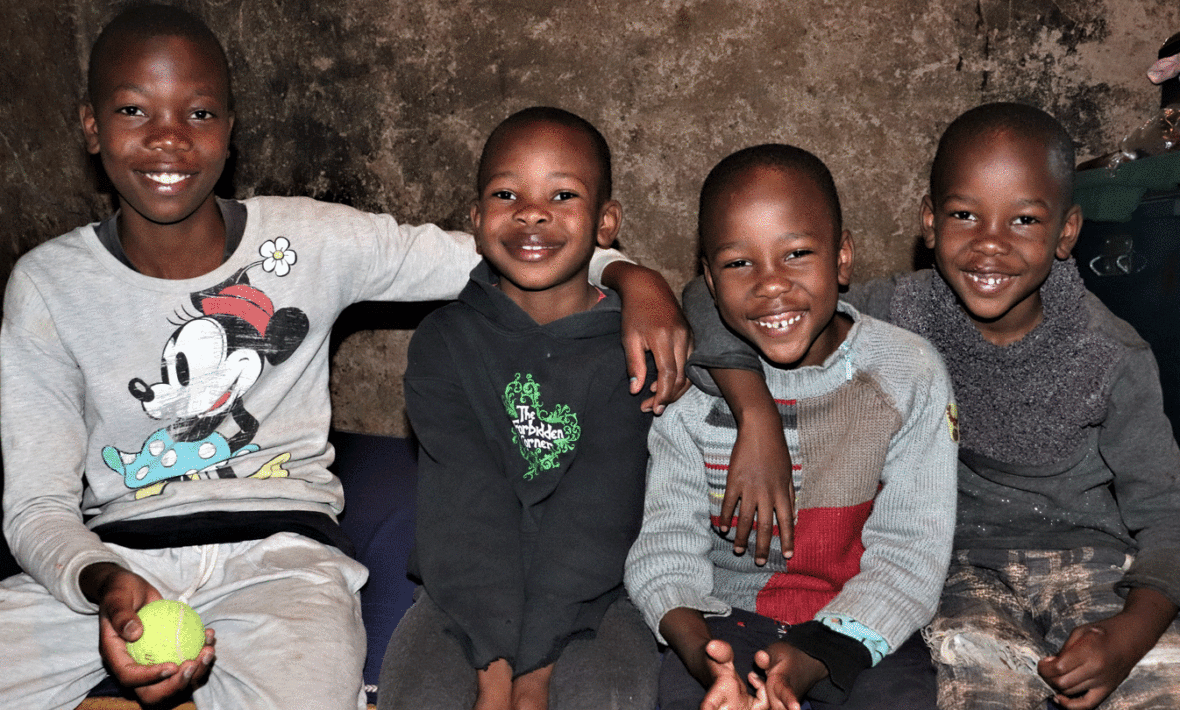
<point>772,282</point>
<point>167,133</point>
<point>140,390</point>
<point>532,212</point>
<point>991,240</point>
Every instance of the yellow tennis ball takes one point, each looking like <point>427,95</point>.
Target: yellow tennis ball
<point>172,632</point>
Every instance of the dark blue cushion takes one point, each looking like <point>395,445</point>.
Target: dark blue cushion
<point>379,475</point>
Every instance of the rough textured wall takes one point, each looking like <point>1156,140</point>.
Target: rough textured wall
<point>384,104</point>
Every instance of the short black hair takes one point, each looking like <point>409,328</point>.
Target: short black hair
<point>777,156</point>
<point>140,22</point>
<point>1022,121</point>
<point>561,117</point>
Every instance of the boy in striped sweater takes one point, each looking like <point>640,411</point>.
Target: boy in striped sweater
<point>871,425</point>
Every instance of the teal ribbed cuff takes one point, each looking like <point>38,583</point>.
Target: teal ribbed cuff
<point>878,647</point>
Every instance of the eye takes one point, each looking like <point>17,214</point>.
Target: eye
<point>182,374</point>
<point>1027,220</point>
<point>564,195</point>
<point>962,214</point>
<point>799,253</point>
<point>502,195</point>
<point>203,114</point>
<point>130,111</point>
<point>735,263</point>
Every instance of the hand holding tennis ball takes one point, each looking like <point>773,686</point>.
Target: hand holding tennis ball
<point>172,633</point>
<point>120,594</point>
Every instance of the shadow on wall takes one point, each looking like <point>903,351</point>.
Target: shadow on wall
<point>378,315</point>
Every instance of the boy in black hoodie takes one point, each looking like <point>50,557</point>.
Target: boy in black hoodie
<point>533,450</point>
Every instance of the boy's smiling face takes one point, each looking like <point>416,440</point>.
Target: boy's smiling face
<point>774,263</point>
<point>538,217</point>
<point>1001,221</point>
<point>161,125</point>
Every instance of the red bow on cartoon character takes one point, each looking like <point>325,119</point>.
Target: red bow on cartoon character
<point>243,301</point>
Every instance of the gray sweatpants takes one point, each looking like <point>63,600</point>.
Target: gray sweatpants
<point>285,610</point>
<point>425,667</point>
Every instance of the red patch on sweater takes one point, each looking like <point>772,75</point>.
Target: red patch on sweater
<point>828,549</point>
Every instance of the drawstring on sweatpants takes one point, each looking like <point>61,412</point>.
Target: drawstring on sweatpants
<point>208,564</point>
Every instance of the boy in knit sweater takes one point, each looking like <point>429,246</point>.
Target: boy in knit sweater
<point>531,469</point>
<point>867,412</point>
<point>165,403</point>
<point>1065,579</point>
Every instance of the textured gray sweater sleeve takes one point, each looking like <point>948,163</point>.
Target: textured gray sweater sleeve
<point>1136,441</point>
<point>873,298</point>
<point>41,401</point>
<point>669,566</point>
<point>714,344</point>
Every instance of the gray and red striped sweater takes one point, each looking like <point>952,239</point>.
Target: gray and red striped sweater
<point>873,437</point>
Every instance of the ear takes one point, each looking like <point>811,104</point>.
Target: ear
<point>89,127</point>
<point>844,259</point>
<point>610,218</point>
<point>1071,227</point>
<point>927,218</point>
<point>475,222</point>
<point>708,277</point>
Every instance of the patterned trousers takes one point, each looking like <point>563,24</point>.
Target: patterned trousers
<point>1002,611</point>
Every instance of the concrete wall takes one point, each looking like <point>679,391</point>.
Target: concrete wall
<point>384,104</point>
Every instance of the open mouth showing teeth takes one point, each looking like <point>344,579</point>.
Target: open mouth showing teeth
<point>779,322</point>
<point>989,280</point>
<point>533,252</point>
<point>166,178</point>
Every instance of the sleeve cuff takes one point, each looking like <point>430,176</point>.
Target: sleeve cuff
<point>601,259</point>
<point>71,579</point>
<point>660,602</point>
<point>1155,568</point>
<point>843,656</point>
<point>843,624</point>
